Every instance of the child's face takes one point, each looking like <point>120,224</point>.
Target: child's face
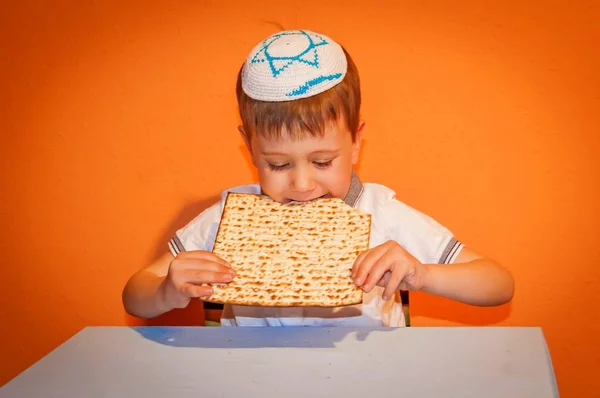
<point>307,168</point>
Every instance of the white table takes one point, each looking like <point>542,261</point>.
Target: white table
<point>198,362</point>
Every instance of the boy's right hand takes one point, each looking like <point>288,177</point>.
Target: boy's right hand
<point>188,271</point>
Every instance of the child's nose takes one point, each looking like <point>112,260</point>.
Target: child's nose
<point>303,181</point>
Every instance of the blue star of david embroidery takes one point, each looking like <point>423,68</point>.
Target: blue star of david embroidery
<point>308,56</point>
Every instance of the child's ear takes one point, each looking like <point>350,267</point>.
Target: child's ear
<point>244,136</point>
<point>247,142</point>
<point>357,142</point>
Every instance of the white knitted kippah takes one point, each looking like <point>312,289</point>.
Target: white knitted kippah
<point>293,64</point>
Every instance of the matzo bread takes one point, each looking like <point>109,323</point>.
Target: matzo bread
<point>290,254</point>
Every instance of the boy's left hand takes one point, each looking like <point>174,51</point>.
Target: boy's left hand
<point>388,265</point>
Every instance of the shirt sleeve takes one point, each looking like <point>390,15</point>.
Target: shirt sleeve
<point>198,234</point>
<point>421,235</point>
<point>201,232</point>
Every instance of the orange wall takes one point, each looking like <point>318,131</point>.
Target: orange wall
<point>115,120</point>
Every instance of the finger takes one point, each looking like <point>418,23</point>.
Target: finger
<point>393,282</point>
<point>384,280</point>
<point>204,255</point>
<point>217,259</point>
<point>201,276</point>
<point>369,261</point>
<point>204,265</point>
<point>196,291</point>
<point>384,264</point>
<point>358,262</point>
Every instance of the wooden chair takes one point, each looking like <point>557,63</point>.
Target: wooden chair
<point>405,305</point>
<point>212,314</point>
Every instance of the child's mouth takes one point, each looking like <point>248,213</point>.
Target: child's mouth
<point>326,196</point>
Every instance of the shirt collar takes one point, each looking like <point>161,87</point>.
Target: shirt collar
<point>356,189</point>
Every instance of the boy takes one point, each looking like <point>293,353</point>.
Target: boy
<point>299,100</point>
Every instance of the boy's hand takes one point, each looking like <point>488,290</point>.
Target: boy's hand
<point>188,271</point>
<point>388,265</point>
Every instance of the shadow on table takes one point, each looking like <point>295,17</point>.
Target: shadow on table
<point>254,337</point>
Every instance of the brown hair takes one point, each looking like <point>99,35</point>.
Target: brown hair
<point>305,115</point>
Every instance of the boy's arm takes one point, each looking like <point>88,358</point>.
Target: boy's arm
<point>181,273</point>
<point>472,278</point>
<point>142,295</point>
<point>171,282</point>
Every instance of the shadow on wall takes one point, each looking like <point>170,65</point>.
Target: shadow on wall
<point>193,314</point>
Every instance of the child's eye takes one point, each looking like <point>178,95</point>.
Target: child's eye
<point>323,165</point>
<point>278,167</point>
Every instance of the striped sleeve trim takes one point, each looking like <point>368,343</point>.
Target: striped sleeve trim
<point>176,246</point>
<point>450,252</point>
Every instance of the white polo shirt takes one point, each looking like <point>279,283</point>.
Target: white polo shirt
<point>423,237</point>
